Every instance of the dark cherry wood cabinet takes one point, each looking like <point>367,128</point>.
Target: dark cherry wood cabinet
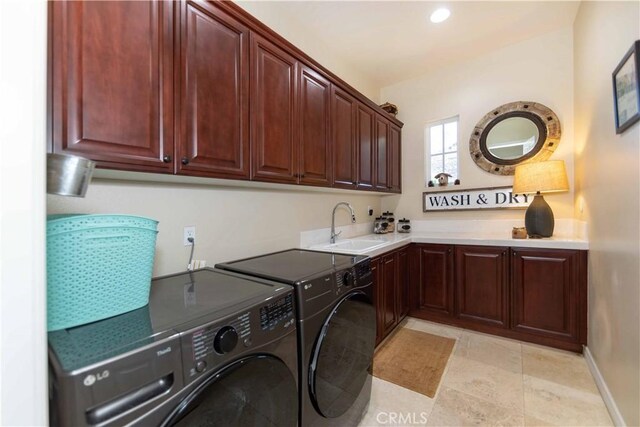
<point>202,88</point>
<point>482,278</point>
<point>546,292</point>
<point>314,115</point>
<point>531,294</point>
<point>343,120</point>
<point>395,159</point>
<point>382,154</point>
<point>376,271</point>
<point>435,286</point>
<point>365,133</point>
<point>274,139</point>
<point>214,90</point>
<point>403,285</point>
<point>112,83</point>
<point>391,276</point>
<point>388,288</point>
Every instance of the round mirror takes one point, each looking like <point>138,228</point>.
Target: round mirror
<point>514,133</point>
<point>512,138</point>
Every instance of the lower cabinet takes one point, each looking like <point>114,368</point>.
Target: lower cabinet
<point>434,280</point>
<point>549,300</point>
<point>482,284</point>
<point>530,294</point>
<point>390,274</point>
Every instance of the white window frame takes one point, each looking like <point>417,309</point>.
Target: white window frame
<point>427,146</point>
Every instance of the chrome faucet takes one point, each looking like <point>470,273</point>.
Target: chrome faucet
<point>333,220</point>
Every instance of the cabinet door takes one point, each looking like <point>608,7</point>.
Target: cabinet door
<point>376,271</point>
<point>482,284</point>
<point>382,154</point>
<point>435,292</point>
<point>273,123</point>
<point>343,126</point>
<point>315,138</point>
<point>546,292</point>
<point>366,148</point>
<point>112,83</point>
<point>402,290</point>
<point>214,113</point>
<point>395,159</point>
<point>389,285</point>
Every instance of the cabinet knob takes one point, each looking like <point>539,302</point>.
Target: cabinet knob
<point>185,161</point>
<point>449,250</point>
<point>166,159</point>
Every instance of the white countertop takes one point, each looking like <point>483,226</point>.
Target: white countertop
<point>397,240</point>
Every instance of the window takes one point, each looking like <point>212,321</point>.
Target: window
<point>441,148</point>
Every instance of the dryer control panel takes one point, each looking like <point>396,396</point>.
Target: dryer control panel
<point>210,346</point>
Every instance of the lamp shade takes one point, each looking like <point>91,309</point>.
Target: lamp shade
<point>545,177</point>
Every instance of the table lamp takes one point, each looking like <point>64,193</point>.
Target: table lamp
<point>538,178</point>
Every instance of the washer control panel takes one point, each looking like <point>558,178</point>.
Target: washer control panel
<point>211,345</point>
<point>349,278</point>
<point>276,312</point>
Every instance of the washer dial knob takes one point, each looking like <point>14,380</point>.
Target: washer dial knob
<point>225,340</point>
<point>347,279</point>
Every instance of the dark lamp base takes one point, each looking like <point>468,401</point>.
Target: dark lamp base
<point>539,218</point>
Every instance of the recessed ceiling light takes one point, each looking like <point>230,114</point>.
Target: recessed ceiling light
<point>440,15</point>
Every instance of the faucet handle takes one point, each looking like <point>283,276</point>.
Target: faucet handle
<point>337,234</point>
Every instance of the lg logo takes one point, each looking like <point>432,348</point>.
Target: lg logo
<point>90,379</point>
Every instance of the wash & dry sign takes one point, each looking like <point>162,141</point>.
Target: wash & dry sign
<point>479,198</point>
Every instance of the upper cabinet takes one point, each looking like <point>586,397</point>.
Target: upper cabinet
<point>382,154</point>
<point>365,134</point>
<point>343,120</point>
<point>202,88</point>
<point>111,83</point>
<point>314,107</point>
<point>214,89</point>
<point>274,142</point>
<point>395,159</point>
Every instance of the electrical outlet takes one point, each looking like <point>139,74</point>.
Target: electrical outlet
<point>189,231</point>
<point>369,210</point>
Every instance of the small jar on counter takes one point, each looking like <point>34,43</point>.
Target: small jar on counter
<point>404,225</point>
<point>391,221</point>
<point>380,225</point>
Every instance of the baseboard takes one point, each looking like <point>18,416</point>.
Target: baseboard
<point>615,414</point>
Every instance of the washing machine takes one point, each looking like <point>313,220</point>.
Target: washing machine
<point>336,329</point>
<point>212,348</point>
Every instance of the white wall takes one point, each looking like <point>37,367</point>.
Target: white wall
<point>539,69</point>
<point>23,348</point>
<point>276,16</point>
<point>603,32</point>
<point>231,223</point>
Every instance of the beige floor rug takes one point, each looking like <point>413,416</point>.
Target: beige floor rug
<point>414,360</point>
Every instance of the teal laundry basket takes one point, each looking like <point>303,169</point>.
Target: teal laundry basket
<point>98,266</point>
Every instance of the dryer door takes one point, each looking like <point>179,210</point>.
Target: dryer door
<point>255,391</point>
<point>342,355</point>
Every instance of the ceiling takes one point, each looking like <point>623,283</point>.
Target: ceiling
<point>392,41</point>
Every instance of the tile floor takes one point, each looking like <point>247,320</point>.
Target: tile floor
<point>492,381</point>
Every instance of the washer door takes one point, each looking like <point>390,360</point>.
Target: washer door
<point>342,355</point>
<point>254,391</point>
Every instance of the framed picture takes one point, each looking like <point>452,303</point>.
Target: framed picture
<point>626,89</point>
